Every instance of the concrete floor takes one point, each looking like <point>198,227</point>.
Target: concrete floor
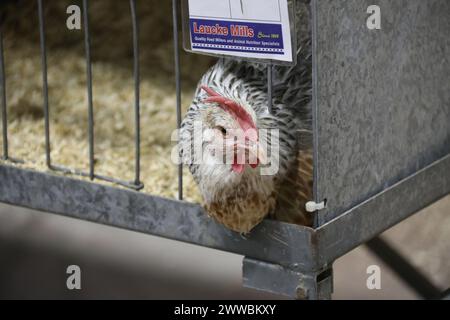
<point>36,248</point>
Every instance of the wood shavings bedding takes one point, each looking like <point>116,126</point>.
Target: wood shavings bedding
<point>113,91</point>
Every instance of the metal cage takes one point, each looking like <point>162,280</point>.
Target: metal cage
<point>381,129</point>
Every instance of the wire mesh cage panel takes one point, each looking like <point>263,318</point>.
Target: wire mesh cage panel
<point>381,130</point>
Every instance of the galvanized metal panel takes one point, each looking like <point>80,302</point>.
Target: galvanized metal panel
<point>272,241</point>
<point>381,212</point>
<point>280,280</point>
<point>381,97</point>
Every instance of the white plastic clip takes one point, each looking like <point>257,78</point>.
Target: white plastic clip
<point>311,206</point>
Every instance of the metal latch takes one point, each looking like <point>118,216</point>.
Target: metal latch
<point>312,206</point>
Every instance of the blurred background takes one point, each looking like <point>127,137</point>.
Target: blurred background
<point>36,248</point>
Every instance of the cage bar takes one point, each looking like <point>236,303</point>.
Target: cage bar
<point>3,88</point>
<point>87,41</point>
<point>137,108</point>
<point>4,104</point>
<point>44,82</point>
<point>176,49</point>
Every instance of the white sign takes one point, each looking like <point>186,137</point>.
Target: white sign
<point>244,28</point>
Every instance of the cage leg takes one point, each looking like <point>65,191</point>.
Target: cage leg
<point>408,273</point>
<point>280,280</point>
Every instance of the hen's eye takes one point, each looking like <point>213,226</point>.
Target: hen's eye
<point>222,130</point>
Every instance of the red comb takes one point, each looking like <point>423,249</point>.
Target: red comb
<point>210,91</point>
<point>242,116</point>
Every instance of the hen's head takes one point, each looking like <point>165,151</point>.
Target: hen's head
<point>221,142</point>
<point>230,137</point>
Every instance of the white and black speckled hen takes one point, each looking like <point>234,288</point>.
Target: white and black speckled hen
<point>232,95</point>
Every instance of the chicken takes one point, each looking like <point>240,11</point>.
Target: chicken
<point>230,113</point>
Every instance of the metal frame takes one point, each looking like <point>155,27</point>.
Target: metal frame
<point>281,258</point>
